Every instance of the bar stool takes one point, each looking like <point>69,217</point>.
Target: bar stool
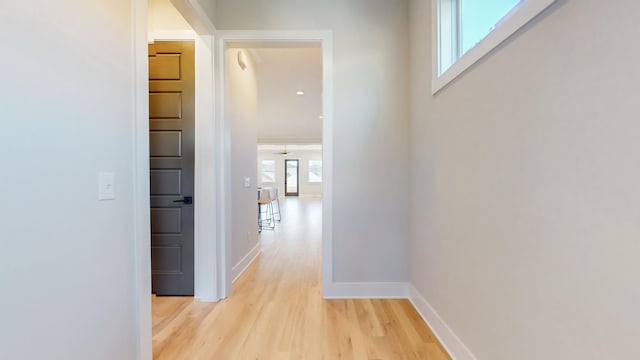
<point>277,200</point>
<point>266,219</point>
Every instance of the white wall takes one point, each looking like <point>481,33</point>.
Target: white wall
<point>370,122</point>
<point>163,16</point>
<point>306,188</point>
<point>208,6</point>
<point>240,110</point>
<point>67,259</point>
<point>526,187</point>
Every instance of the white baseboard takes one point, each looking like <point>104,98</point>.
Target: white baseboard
<point>449,340</point>
<point>311,196</point>
<point>243,264</point>
<point>367,290</point>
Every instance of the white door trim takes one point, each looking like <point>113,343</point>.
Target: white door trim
<point>325,38</point>
<point>142,211</point>
<point>207,257</point>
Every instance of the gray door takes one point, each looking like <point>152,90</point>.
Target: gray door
<point>171,150</point>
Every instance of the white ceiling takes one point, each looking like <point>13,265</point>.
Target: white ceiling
<point>283,116</point>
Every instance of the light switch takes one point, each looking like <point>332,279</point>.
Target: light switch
<point>247,182</point>
<point>106,185</point>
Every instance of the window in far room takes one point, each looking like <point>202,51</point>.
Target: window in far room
<point>315,171</point>
<point>268,171</point>
<point>466,30</point>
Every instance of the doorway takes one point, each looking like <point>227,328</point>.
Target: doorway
<point>235,51</point>
<point>291,177</point>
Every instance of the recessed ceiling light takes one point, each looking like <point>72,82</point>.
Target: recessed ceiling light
<point>320,117</point>
<point>299,92</point>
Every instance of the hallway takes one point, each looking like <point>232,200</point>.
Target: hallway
<point>276,310</point>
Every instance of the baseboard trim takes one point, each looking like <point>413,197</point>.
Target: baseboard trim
<point>243,264</point>
<point>449,340</point>
<point>367,290</point>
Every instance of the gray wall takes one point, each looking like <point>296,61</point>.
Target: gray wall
<point>240,110</point>
<point>370,122</point>
<point>67,261</point>
<point>525,187</point>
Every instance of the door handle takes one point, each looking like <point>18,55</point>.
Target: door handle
<point>187,200</point>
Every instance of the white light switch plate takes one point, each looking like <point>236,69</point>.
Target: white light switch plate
<point>247,182</point>
<point>106,185</point>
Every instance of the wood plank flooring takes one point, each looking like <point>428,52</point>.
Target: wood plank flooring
<point>276,310</point>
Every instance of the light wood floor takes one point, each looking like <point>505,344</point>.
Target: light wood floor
<point>276,310</point>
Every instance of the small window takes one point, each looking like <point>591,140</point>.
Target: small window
<point>479,18</point>
<point>315,171</point>
<point>466,30</point>
<point>268,171</point>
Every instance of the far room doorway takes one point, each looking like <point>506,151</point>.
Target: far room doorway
<point>291,177</point>
<point>274,108</point>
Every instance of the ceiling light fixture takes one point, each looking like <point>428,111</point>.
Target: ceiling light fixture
<point>300,92</point>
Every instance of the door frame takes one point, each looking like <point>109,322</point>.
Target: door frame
<point>207,257</point>
<point>250,38</point>
<point>142,202</point>
<point>206,265</point>
<point>286,175</point>
<point>205,283</point>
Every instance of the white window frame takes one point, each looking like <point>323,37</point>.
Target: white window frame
<point>262,171</point>
<point>309,171</point>
<point>445,12</point>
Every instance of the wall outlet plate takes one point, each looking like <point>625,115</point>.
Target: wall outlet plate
<point>106,185</point>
